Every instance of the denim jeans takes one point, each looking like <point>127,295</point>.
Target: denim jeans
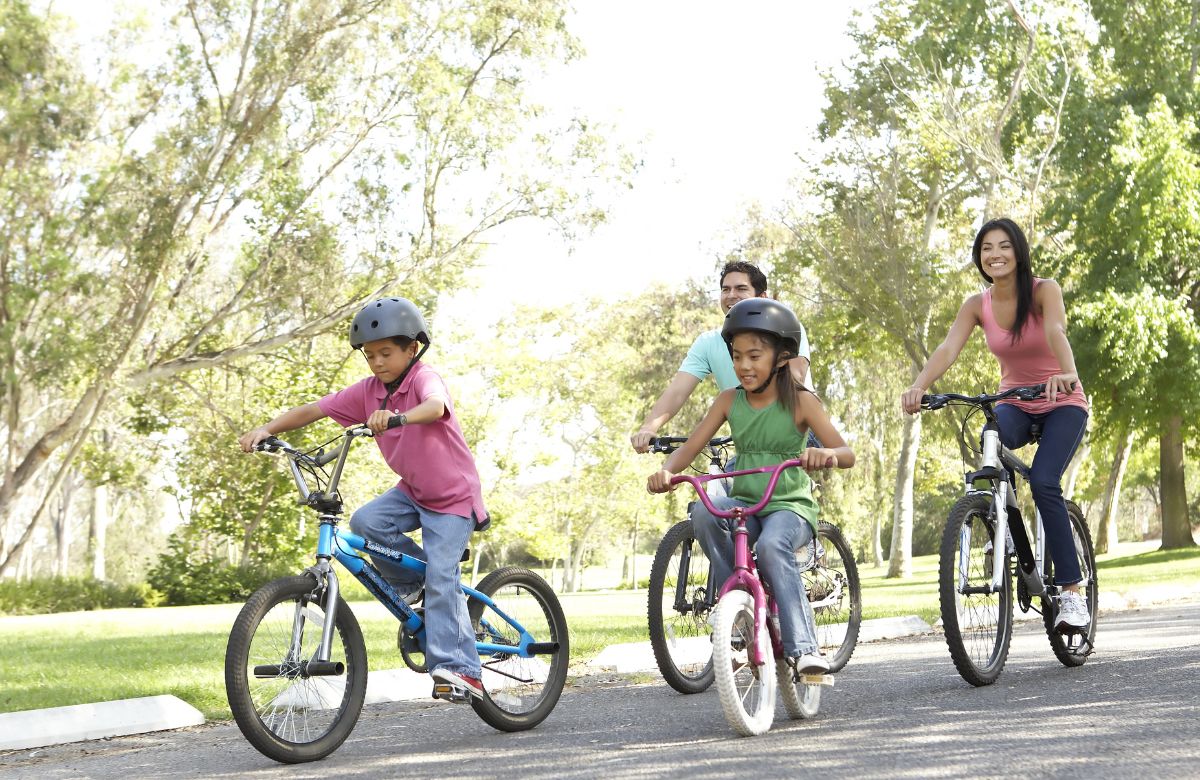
<point>1062,430</point>
<point>776,538</point>
<point>449,638</point>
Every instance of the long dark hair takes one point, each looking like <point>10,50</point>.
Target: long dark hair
<point>1024,269</point>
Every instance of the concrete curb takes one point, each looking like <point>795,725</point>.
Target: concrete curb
<point>78,722</point>
<point>634,657</point>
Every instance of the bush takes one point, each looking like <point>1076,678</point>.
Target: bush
<point>211,581</point>
<point>71,594</point>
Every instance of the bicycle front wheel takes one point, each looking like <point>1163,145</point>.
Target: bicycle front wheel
<point>678,605</point>
<point>747,691</point>
<point>519,692</point>
<point>1074,650</point>
<point>978,624</point>
<point>287,712</point>
<point>834,593</point>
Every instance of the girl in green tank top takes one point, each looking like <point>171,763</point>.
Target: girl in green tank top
<point>770,418</point>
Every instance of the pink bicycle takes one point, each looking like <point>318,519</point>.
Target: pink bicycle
<point>746,641</point>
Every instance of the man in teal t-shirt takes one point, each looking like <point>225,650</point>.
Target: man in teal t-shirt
<point>710,355</point>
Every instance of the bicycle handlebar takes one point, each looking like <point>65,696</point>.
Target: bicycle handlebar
<point>696,482</point>
<point>938,400</point>
<point>668,444</point>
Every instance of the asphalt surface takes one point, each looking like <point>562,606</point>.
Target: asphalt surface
<point>899,709</point>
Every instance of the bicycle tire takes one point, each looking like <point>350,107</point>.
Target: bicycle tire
<point>289,717</point>
<point>747,692</point>
<point>834,583</point>
<point>800,700</point>
<point>519,692</point>
<point>681,639</point>
<point>978,627</point>
<point>1086,554</point>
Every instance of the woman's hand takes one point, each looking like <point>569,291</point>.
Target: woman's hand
<point>910,401</point>
<point>659,482</point>
<point>817,458</point>
<point>1060,383</point>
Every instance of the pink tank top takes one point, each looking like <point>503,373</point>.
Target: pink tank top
<point>1028,361</point>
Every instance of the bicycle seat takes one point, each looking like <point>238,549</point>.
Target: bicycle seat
<point>1035,432</point>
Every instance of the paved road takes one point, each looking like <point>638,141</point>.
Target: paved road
<point>898,710</point>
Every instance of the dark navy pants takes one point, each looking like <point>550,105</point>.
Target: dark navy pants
<point>1062,430</point>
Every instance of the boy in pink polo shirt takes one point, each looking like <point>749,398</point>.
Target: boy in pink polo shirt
<point>439,489</point>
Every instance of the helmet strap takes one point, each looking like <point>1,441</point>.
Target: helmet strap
<point>394,385</point>
<point>763,387</point>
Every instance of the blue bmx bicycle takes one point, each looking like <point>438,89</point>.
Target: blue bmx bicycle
<point>296,662</point>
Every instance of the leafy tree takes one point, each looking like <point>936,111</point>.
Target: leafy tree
<point>1135,222</point>
<point>281,163</point>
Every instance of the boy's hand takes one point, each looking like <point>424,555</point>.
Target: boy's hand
<point>250,438</point>
<point>660,482</point>
<point>817,458</point>
<point>378,421</point>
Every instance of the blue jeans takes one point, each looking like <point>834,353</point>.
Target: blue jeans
<point>449,638</point>
<point>776,538</point>
<point>1062,430</point>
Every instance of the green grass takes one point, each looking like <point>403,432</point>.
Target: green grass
<point>79,657</point>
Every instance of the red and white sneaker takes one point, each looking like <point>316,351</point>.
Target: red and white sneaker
<point>462,684</point>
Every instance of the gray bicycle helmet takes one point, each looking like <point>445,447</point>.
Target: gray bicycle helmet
<point>387,318</point>
<point>765,315</point>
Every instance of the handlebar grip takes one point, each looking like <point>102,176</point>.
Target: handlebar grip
<point>269,444</point>
<point>395,421</point>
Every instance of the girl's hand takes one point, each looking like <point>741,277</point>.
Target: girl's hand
<point>250,438</point>
<point>910,401</point>
<point>378,421</point>
<point>660,482</point>
<point>817,458</point>
<point>1060,383</point>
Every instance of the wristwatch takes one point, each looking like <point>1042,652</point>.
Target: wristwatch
<point>403,419</point>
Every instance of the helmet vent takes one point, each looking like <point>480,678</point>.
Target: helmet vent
<point>374,324</point>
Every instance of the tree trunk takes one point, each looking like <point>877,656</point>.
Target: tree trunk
<point>1073,468</point>
<point>877,515</point>
<point>98,530</point>
<point>900,560</point>
<point>1106,532</point>
<point>1176,527</point>
<point>476,555</point>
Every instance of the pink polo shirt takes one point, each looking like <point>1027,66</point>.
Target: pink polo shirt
<point>434,463</point>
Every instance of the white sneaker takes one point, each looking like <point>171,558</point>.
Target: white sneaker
<point>1072,611</point>
<point>809,663</point>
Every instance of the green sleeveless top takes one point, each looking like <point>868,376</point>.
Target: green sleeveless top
<point>765,437</point>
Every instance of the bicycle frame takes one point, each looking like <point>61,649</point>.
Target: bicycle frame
<point>1000,466</point>
<point>346,547</point>
<point>744,574</point>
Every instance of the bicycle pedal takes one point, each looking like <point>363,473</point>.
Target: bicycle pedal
<point>447,692</point>
<point>817,679</point>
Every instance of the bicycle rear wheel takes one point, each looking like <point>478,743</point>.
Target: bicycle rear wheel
<point>747,691</point>
<point>285,713</point>
<point>834,593</point>
<point>978,626</point>
<point>519,692</point>
<point>678,605</point>
<point>1074,650</point>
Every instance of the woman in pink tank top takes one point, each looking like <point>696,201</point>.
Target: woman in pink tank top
<point>1024,321</point>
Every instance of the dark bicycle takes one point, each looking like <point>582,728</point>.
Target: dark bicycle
<point>975,585</point>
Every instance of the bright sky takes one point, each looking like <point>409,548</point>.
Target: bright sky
<point>718,96</point>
